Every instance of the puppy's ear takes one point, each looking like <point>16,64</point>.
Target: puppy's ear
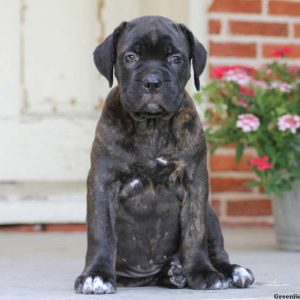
<point>198,54</point>
<point>105,55</point>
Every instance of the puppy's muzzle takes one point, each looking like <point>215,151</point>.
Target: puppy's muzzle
<point>152,83</point>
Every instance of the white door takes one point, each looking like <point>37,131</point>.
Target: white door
<point>50,99</point>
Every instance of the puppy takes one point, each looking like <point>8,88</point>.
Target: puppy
<point>148,217</point>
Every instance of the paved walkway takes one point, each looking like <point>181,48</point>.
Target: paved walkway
<point>43,266</point>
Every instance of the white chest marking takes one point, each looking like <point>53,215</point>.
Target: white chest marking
<point>162,161</point>
<point>134,183</point>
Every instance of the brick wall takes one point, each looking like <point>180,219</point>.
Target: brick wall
<point>245,32</point>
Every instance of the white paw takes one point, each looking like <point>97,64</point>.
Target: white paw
<point>97,286</point>
<point>219,285</point>
<point>242,277</point>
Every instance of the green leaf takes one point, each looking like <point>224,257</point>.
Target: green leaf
<point>296,173</point>
<point>269,150</point>
<point>239,152</point>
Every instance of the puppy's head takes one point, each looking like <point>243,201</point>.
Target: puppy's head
<point>151,57</point>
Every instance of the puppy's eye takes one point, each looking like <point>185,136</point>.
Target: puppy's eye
<point>175,59</point>
<point>130,58</point>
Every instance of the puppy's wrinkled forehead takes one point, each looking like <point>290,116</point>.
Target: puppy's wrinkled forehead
<point>150,33</point>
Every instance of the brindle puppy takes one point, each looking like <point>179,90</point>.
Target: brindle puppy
<point>149,220</point>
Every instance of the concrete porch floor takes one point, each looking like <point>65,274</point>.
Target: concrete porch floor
<point>44,265</point>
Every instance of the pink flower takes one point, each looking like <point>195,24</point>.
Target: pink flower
<point>291,122</point>
<point>247,122</point>
<point>281,52</point>
<point>261,163</point>
<point>282,86</point>
<point>241,102</point>
<point>260,84</point>
<point>294,69</point>
<point>238,76</point>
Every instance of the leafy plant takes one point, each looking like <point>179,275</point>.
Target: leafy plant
<point>257,108</point>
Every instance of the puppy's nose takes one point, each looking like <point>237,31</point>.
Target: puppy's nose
<point>152,83</point>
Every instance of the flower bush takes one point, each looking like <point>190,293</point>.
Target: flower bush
<point>258,108</point>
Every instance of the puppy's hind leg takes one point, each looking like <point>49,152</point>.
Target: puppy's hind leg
<point>238,276</point>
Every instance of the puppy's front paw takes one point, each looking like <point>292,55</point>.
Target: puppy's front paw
<point>207,280</point>
<point>241,277</point>
<point>88,284</point>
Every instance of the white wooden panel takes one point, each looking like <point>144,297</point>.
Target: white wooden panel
<point>42,203</point>
<point>115,12</point>
<point>198,23</point>
<point>45,149</point>
<point>9,57</point>
<point>60,36</point>
<point>175,10</point>
<point>112,15</point>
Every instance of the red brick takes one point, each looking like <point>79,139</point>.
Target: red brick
<point>221,184</point>
<point>261,207</point>
<point>229,146</point>
<point>250,223</point>
<point>214,26</point>
<point>269,48</point>
<point>288,8</point>
<point>228,163</point>
<point>233,49</point>
<point>216,205</point>
<point>22,228</point>
<point>297,30</point>
<point>258,28</point>
<point>241,6</point>
<point>65,227</point>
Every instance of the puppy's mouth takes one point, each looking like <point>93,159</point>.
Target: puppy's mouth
<point>151,115</point>
<point>151,111</point>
